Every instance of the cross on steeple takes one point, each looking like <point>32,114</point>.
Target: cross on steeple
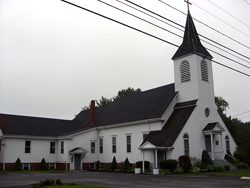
<point>188,3</point>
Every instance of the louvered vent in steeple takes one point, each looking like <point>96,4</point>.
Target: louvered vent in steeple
<point>185,71</point>
<point>204,71</point>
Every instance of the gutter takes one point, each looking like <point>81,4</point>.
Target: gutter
<point>69,136</point>
<point>118,125</point>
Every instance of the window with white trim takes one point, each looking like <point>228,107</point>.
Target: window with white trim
<point>128,143</point>
<point>186,144</point>
<point>0,145</point>
<point>227,144</point>
<point>101,145</point>
<point>185,71</point>
<point>62,146</point>
<point>52,147</point>
<point>144,135</point>
<point>27,146</point>
<point>113,144</point>
<point>204,71</point>
<point>92,147</point>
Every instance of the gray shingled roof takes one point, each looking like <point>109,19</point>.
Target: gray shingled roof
<point>140,106</point>
<point>210,126</point>
<point>191,42</point>
<point>172,128</point>
<point>35,126</point>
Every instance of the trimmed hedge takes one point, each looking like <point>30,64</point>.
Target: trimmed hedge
<point>242,165</point>
<point>185,163</point>
<point>138,164</point>
<point>205,158</point>
<point>18,165</point>
<point>97,165</point>
<point>113,165</point>
<point>43,165</point>
<point>126,165</point>
<point>170,164</point>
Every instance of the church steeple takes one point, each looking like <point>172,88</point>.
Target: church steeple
<point>191,43</point>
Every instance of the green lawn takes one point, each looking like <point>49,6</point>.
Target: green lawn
<point>32,171</point>
<point>75,186</point>
<point>239,173</point>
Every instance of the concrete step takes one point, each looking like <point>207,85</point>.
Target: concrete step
<point>223,163</point>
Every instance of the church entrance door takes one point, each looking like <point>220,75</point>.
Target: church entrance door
<point>208,143</point>
<point>161,155</point>
<point>78,158</point>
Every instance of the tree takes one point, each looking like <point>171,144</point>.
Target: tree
<point>113,164</point>
<point>104,101</point>
<point>122,93</point>
<point>238,129</point>
<point>18,165</point>
<point>43,165</point>
<point>126,92</point>
<point>221,104</point>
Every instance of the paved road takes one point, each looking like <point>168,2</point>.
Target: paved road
<point>120,180</point>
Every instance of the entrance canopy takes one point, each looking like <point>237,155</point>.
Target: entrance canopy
<point>213,128</point>
<point>78,150</point>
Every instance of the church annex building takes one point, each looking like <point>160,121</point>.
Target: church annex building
<point>161,123</point>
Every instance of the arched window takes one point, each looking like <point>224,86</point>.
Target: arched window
<point>204,71</point>
<point>185,71</point>
<point>227,144</point>
<point>186,144</point>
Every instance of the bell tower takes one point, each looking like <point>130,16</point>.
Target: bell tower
<point>192,67</point>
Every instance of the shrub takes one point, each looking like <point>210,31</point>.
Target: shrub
<point>113,164</point>
<point>138,164</point>
<point>195,162</point>
<point>210,168</point>
<point>242,155</point>
<point>219,169</point>
<point>18,165</point>
<point>178,170</point>
<point>43,165</point>
<point>126,165</point>
<point>50,182</point>
<point>230,159</point>
<point>242,165</point>
<point>165,172</point>
<point>227,167</point>
<point>205,158</point>
<point>170,164</point>
<point>195,170</point>
<point>185,163</point>
<point>97,165</point>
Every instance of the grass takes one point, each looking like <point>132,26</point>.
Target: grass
<point>75,186</point>
<point>31,171</point>
<point>237,173</point>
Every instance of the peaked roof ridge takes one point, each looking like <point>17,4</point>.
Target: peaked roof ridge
<point>191,43</point>
<point>34,117</point>
<point>145,91</point>
<point>122,98</point>
<point>172,128</point>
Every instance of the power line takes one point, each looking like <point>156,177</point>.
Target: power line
<point>229,14</point>
<point>148,34</point>
<point>245,117</point>
<point>182,30</point>
<point>222,20</point>
<point>246,2</point>
<point>184,27</point>
<point>168,31</point>
<point>205,25</point>
<point>242,113</point>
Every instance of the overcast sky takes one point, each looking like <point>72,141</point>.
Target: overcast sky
<point>55,58</point>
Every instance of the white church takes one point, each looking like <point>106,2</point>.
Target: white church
<point>161,123</point>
